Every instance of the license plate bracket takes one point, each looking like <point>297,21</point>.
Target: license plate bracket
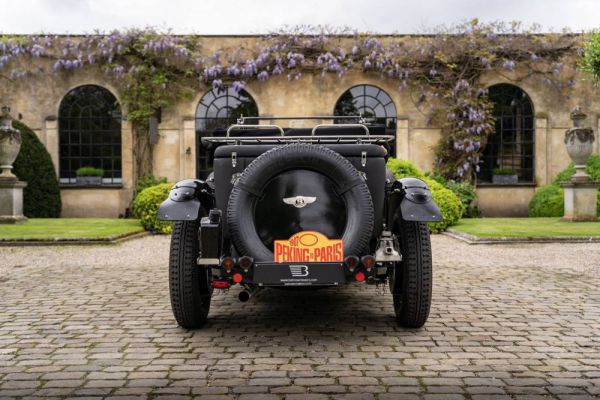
<point>299,274</point>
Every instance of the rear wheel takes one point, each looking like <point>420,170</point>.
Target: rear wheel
<point>188,282</point>
<point>412,280</point>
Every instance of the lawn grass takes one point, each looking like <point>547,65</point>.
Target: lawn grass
<point>525,227</point>
<point>69,228</point>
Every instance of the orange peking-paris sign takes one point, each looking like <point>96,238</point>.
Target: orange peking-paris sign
<point>309,246</point>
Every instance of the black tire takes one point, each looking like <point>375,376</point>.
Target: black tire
<point>188,282</point>
<point>347,181</point>
<point>412,279</point>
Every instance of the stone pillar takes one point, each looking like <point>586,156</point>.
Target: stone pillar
<point>11,189</point>
<point>580,189</point>
<point>402,142</point>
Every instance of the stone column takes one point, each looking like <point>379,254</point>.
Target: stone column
<point>11,189</point>
<point>580,189</point>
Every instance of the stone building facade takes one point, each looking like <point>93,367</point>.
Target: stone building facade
<point>72,116</point>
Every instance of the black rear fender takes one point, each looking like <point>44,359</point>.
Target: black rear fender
<point>185,200</point>
<point>411,199</point>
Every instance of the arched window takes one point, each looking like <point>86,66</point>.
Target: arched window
<point>372,103</point>
<point>218,109</point>
<point>511,146</point>
<point>89,130</point>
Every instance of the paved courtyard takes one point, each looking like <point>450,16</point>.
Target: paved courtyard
<point>508,321</point>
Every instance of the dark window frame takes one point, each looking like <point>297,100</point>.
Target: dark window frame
<point>216,110</point>
<point>512,144</point>
<point>368,100</point>
<point>89,134</point>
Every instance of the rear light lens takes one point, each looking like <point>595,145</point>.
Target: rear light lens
<point>360,277</point>
<point>237,277</point>
<point>227,263</point>
<point>245,262</point>
<point>368,261</point>
<point>220,284</point>
<point>351,262</point>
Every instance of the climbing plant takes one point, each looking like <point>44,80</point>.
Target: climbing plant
<point>441,72</point>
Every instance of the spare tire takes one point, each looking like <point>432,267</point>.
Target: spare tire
<point>285,171</point>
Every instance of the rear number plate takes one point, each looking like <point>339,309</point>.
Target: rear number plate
<point>298,274</point>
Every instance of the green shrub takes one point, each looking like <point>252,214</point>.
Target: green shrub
<point>41,197</point>
<point>449,204</point>
<point>466,194</point>
<point>89,171</point>
<point>592,167</point>
<point>547,201</point>
<point>146,181</point>
<point>145,207</point>
<point>404,169</point>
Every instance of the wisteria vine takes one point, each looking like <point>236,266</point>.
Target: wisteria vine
<point>441,72</point>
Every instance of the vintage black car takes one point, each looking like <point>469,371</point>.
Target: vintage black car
<point>300,207</point>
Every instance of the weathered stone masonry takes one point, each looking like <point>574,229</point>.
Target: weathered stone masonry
<point>38,100</point>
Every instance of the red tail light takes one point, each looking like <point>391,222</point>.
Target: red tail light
<point>360,277</point>
<point>245,262</point>
<point>227,263</point>
<point>368,262</point>
<point>237,277</point>
<point>351,262</point>
<point>220,284</point>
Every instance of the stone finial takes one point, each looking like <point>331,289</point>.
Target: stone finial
<point>578,116</point>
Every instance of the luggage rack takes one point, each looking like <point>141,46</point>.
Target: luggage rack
<point>357,139</point>
<point>312,138</point>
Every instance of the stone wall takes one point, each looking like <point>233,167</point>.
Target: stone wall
<point>38,98</point>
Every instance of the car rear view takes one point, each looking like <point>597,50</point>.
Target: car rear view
<point>300,207</point>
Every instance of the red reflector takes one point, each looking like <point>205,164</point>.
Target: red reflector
<point>359,277</point>
<point>237,278</point>
<point>220,285</point>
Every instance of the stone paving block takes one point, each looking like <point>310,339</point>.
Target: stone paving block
<point>513,322</point>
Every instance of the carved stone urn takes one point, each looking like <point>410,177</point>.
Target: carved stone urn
<point>11,189</point>
<point>580,191</point>
<point>580,144</point>
<point>10,144</point>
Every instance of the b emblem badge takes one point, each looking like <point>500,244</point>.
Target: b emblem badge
<point>299,271</point>
<point>299,201</point>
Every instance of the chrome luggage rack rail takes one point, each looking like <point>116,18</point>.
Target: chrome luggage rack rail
<point>312,138</point>
<point>356,139</point>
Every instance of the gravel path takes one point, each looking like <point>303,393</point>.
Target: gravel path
<point>507,322</point>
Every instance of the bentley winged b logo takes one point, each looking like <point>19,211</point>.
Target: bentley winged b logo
<point>299,201</point>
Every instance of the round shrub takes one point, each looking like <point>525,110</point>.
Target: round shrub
<point>547,201</point>
<point>450,206</point>
<point>403,169</point>
<point>145,207</point>
<point>41,197</point>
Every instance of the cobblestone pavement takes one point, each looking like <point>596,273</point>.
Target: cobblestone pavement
<point>508,321</point>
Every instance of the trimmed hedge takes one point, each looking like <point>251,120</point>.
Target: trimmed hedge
<point>41,197</point>
<point>450,205</point>
<point>548,201</point>
<point>145,207</point>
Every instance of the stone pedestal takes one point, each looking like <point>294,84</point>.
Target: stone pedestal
<point>580,200</point>
<point>11,201</point>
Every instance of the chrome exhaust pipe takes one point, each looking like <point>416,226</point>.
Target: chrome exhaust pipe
<point>248,293</point>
